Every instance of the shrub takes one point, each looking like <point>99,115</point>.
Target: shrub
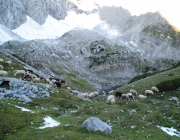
<point>169,85</point>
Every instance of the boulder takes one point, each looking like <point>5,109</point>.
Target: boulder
<point>95,124</point>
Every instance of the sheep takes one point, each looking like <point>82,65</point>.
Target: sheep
<point>155,89</point>
<point>149,92</point>
<point>1,67</point>
<point>118,94</point>
<point>63,81</point>
<point>84,95</point>
<point>91,95</point>
<point>124,96</point>
<point>96,93</point>
<point>19,72</point>
<point>130,95</point>
<point>111,92</point>
<point>103,93</point>
<point>133,92</point>
<point>29,71</point>
<point>5,83</point>
<point>142,97</point>
<point>36,79</point>
<point>110,99</point>
<point>3,73</point>
<point>1,60</point>
<point>58,84</point>
<point>46,80</point>
<point>7,62</point>
<point>68,88</point>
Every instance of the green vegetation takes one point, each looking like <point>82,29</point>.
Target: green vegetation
<point>71,112</point>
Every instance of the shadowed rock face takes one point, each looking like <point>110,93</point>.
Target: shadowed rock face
<point>13,12</point>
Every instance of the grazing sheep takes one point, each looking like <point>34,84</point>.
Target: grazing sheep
<point>155,89</point>
<point>96,93</point>
<point>84,95</point>
<point>7,62</point>
<point>149,92</point>
<point>110,100</point>
<point>3,73</point>
<point>111,92</point>
<point>103,93</point>
<point>1,60</point>
<point>118,94</point>
<point>5,84</point>
<point>68,88</point>
<point>91,95</point>
<point>1,67</point>
<point>47,81</point>
<point>74,92</point>
<point>36,79</point>
<point>58,84</point>
<point>19,72</point>
<point>63,81</point>
<point>133,92</point>
<point>142,97</point>
<point>130,95</point>
<point>29,71</point>
<point>124,96</point>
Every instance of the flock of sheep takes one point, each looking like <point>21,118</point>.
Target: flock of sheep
<point>112,95</point>
<point>28,74</point>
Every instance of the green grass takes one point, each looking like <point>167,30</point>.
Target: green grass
<point>156,110</point>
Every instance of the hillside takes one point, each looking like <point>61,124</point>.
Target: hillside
<point>134,119</point>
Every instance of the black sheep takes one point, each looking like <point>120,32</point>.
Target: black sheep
<point>118,94</point>
<point>5,83</point>
<point>58,84</point>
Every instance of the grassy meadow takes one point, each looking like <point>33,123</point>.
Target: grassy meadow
<point>72,111</point>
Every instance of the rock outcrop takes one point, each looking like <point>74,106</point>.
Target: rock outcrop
<point>13,12</point>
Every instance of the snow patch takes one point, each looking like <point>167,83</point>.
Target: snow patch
<point>24,109</point>
<point>49,122</point>
<point>170,131</point>
<point>32,30</point>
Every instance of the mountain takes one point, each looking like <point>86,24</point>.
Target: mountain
<point>105,45</point>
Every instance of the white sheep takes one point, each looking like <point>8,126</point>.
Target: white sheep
<point>36,79</point>
<point>96,93</point>
<point>74,92</point>
<point>68,88</point>
<point>3,73</point>
<point>1,67</point>
<point>84,95</point>
<point>109,98</point>
<point>111,92</point>
<point>91,95</point>
<point>129,95</point>
<point>19,72</point>
<point>133,92</point>
<point>112,101</point>
<point>1,60</point>
<point>149,92</point>
<point>7,62</point>
<point>142,97</point>
<point>155,89</point>
<point>103,93</point>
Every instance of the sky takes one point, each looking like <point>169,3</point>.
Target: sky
<point>169,9</point>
